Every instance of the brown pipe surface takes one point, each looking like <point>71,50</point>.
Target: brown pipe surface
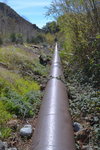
<point>54,127</point>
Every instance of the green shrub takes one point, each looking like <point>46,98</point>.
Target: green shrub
<point>34,98</point>
<point>24,86</point>
<point>50,38</point>
<point>40,38</point>
<point>26,105</point>
<point>17,83</point>
<point>17,38</point>
<point>16,105</point>
<point>14,94</point>
<point>40,69</point>
<point>13,37</point>
<point>28,40</point>
<point>1,41</point>
<point>84,107</point>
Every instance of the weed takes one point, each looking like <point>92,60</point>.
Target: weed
<point>5,132</point>
<point>84,106</point>
<point>4,114</point>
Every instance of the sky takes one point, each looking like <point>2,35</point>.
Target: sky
<point>32,10</point>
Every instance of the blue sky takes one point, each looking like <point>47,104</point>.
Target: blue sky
<point>32,10</point>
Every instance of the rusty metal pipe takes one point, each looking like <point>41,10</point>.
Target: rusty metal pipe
<point>54,127</point>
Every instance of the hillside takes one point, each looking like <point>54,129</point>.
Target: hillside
<point>12,23</point>
<point>22,81</point>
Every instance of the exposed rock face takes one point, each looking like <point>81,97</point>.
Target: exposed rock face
<point>11,22</point>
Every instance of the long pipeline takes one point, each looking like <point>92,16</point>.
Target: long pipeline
<point>54,127</point>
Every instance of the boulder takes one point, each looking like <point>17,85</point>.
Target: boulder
<point>12,148</point>
<point>77,126</point>
<point>6,145</point>
<point>26,131</point>
<point>2,146</point>
<point>87,147</point>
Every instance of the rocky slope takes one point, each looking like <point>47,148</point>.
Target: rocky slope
<point>12,23</point>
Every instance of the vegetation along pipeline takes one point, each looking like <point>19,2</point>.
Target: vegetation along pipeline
<point>54,127</point>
